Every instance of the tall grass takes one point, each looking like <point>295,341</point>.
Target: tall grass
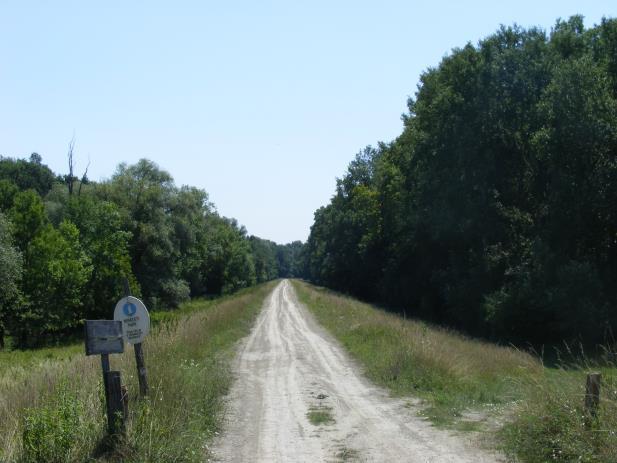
<point>539,410</point>
<point>52,410</point>
<point>450,372</point>
<point>552,425</point>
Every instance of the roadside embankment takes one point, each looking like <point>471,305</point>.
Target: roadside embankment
<point>532,412</point>
<point>51,409</point>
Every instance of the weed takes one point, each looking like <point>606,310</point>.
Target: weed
<point>320,415</point>
<point>44,400</point>
<point>50,432</point>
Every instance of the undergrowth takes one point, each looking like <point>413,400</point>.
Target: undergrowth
<point>52,410</point>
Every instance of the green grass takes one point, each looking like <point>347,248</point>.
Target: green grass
<point>452,373</point>
<point>532,413</point>
<point>551,424</point>
<point>11,359</point>
<point>51,407</point>
<point>29,358</point>
<point>321,415</point>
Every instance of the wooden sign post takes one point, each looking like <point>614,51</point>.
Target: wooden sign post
<point>592,393</point>
<point>132,313</point>
<point>104,337</point>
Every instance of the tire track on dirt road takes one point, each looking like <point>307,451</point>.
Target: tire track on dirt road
<point>289,366</point>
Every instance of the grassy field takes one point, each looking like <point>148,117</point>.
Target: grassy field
<point>533,413</point>
<point>51,400</point>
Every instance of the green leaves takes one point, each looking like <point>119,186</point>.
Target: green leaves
<point>168,241</point>
<point>55,276</point>
<point>495,208</point>
<point>10,275</point>
<point>28,217</point>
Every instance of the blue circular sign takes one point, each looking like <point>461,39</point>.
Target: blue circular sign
<point>129,309</point>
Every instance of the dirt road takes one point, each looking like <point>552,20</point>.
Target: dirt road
<point>289,367</point>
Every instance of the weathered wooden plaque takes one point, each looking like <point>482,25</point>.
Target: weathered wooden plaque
<point>104,337</point>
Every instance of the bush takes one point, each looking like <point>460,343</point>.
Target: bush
<point>51,432</point>
<point>174,292</point>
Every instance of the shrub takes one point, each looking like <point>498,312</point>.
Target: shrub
<point>51,432</point>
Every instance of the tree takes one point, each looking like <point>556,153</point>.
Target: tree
<point>494,210</point>
<point>8,190</point>
<point>227,262</point>
<point>75,249</point>
<point>27,174</point>
<point>70,178</point>
<point>27,216</point>
<point>189,209</point>
<point>145,193</point>
<point>106,245</point>
<point>346,237</point>
<point>10,275</point>
<point>289,260</point>
<point>56,272</point>
<point>264,259</point>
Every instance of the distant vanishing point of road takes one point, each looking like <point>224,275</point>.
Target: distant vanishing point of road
<point>289,366</point>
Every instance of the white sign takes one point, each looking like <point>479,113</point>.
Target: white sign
<point>134,317</point>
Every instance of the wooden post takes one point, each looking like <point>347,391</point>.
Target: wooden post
<point>115,408</point>
<point>592,393</point>
<point>142,372</point>
<point>105,368</point>
<point>104,337</point>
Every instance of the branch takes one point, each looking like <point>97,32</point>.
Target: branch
<point>70,156</point>
<point>84,177</point>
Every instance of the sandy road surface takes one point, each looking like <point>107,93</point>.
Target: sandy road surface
<point>289,365</point>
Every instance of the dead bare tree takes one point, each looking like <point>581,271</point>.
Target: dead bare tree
<point>84,177</point>
<point>71,178</point>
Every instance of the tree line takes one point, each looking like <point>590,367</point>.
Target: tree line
<point>66,244</point>
<point>495,210</point>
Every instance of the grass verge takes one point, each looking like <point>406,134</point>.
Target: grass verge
<point>450,372</point>
<point>51,409</point>
<point>537,412</point>
<point>551,424</point>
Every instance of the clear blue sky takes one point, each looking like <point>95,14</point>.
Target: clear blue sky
<point>260,103</point>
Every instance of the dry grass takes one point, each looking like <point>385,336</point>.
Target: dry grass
<point>551,424</point>
<point>450,371</point>
<point>187,359</point>
<point>463,381</point>
<point>30,386</point>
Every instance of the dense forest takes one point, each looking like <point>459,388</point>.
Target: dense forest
<point>66,245</point>
<point>495,210</point>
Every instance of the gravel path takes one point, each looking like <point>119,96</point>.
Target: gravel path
<point>289,366</point>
